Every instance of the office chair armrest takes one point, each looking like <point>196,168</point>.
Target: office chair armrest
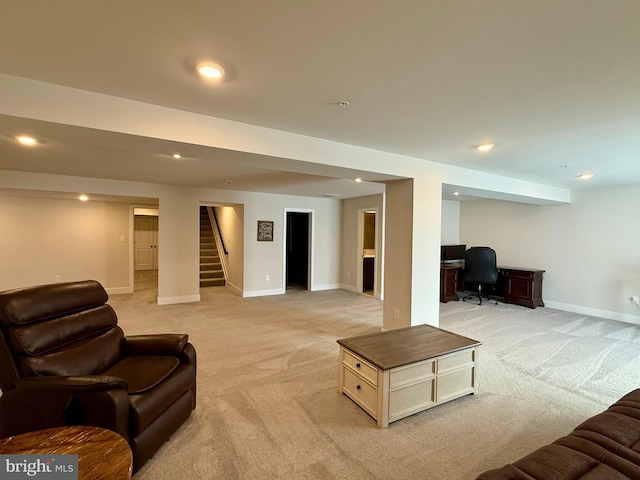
<point>157,345</point>
<point>70,384</point>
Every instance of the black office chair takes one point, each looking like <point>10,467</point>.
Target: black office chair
<point>480,268</point>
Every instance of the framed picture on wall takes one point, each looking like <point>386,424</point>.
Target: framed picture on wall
<point>265,231</point>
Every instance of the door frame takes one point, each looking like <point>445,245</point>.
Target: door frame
<point>359,251</point>
<point>310,247</point>
<point>155,211</point>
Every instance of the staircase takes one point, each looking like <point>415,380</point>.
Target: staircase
<point>211,274</point>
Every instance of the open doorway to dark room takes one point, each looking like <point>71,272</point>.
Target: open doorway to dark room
<point>297,251</point>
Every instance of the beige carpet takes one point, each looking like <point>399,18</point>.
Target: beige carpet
<point>269,406</point>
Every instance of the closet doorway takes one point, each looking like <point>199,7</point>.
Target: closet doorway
<point>367,250</point>
<point>145,249</point>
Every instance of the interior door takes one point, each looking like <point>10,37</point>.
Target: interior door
<point>145,231</point>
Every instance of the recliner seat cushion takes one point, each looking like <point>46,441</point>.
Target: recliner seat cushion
<point>148,406</point>
<point>143,373</point>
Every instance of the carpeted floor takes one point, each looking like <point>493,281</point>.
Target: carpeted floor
<point>269,406</point>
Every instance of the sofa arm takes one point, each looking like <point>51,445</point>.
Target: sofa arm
<point>164,344</point>
<point>86,383</point>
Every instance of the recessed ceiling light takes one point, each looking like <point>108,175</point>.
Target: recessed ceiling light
<point>456,193</point>
<point>210,70</point>
<point>332,195</point>
<point>485,147</point>
<point>176,156</point>
<point>586,176</point>
<point>83,198</point>
<point>358,179</point>
<point>228,181</point>
<point>26,140</point>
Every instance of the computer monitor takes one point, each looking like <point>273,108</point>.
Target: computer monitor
<point>452,253</point>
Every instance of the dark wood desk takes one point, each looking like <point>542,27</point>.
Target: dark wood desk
<point>519,286</point>
<point>102,454</point>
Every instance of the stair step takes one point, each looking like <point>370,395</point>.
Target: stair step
<point>214,274</point>
<point>213,283</point>
<point>207,267</point>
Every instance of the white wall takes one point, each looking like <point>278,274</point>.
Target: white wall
<point>450,234</point>
<point>589,249</point>
<point>231,221</point>
<point>44,238</point>
<point>267,258</point>
<point>349,244</point>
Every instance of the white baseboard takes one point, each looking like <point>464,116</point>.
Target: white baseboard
<point>119,290</point>
<point>349,288</point>
<point>174,300</point>
<point>318,288</point>
<point>263,293</point>
<point>594,312</point>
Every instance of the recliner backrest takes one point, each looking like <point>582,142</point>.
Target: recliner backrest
<point>58,329</point>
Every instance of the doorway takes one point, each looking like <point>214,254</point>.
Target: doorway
<point>145,252</point>
<point>367,251</point>
<point>298,234</point>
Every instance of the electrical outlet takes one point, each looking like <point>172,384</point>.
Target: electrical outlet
<point>57,278</point>
<point>267,278</point>
<point>635,300</point>
<point>396,313</point>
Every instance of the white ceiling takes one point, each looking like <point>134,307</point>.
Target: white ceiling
<point>551,83</point>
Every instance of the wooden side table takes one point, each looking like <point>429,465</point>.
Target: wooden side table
<point>102,454</point>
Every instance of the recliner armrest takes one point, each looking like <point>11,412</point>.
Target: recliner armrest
<point>72,384</point>
<point>163,344</point>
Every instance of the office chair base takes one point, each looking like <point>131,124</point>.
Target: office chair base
<point>479,296</point>
<point>475,295</point>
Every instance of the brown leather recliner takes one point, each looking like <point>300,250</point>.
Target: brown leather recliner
<point>65,361</point>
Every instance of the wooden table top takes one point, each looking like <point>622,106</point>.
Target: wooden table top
<point>403,346</point>
<point>102,454</point>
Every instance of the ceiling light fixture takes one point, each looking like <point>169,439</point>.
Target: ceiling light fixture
<point>586,176</point>
<point>343,104</point>
<point>210,70</point>
<point>456,193</point>
<point>26,140</point>
<point>177,156</point>
<point>228,181</point>
<point>358,179</point>
<point>485,147</point>
<point>332,195</point>
<point>83,198</point>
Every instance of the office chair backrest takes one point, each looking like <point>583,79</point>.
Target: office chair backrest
<point>480,266</point>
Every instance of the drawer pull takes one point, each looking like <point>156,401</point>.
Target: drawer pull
<point>358,387</point>
<point>357,365</point>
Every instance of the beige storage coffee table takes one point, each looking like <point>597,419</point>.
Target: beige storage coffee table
<point>397,373</point>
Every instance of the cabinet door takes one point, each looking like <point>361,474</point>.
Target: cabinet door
<point>523,287</point>
<point>518,289</point>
